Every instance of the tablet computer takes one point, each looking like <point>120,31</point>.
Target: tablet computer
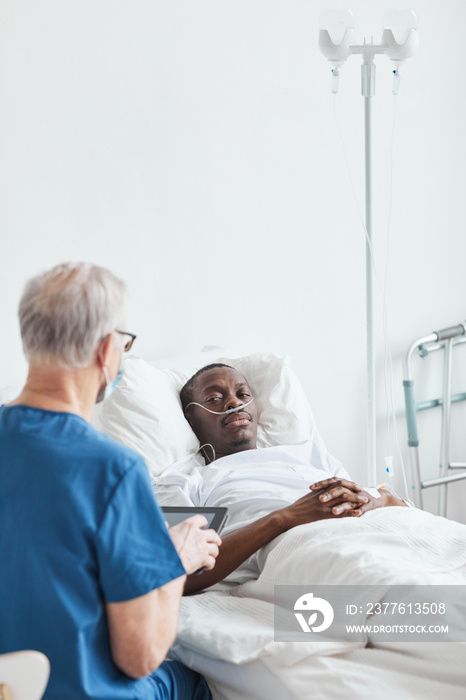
<point>216,517</point>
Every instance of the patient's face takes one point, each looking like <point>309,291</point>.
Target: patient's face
<point>220,389</point>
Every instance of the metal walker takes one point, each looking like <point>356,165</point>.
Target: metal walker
<point>445,339</point>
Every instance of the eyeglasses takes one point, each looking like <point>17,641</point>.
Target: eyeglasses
<point>129,343</point>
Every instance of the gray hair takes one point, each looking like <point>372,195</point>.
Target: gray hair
<point>63,313</point>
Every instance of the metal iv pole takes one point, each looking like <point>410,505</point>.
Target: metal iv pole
<point>337,53</point>
<point>368,91</point>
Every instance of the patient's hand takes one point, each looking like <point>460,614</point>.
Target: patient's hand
<point>331,498</point>
<point>196,547</point>
<point>341,496</point>
<point>386,499</point>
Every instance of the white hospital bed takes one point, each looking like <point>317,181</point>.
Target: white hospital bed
<point>229,637</point>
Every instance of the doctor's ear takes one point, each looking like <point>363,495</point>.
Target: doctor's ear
<point>104,349</point>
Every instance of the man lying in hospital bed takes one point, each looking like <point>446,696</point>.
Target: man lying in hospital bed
<point>227,632</point>
<point>267,492</point>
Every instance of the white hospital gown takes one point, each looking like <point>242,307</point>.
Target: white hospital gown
<point>251,484</point>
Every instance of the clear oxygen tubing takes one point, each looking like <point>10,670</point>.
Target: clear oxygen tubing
<point>207,444</point>
<point>382,288</point>
<point>220,413</point>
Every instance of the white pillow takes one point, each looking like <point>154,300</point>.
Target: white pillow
<point>144,412</point>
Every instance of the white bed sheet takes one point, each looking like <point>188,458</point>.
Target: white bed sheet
<point>385,547</point>
<point>404,672</point>
<point>227,681</point>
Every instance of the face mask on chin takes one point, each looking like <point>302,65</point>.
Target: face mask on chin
<point>111,385</point>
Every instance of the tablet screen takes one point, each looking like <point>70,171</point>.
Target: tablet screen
<point>216,517</point>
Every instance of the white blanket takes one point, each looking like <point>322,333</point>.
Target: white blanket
<point>386,546</point>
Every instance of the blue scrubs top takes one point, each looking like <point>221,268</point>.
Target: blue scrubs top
<point>79,527</point>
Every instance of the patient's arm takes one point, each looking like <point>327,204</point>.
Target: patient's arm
<point>241,544</point>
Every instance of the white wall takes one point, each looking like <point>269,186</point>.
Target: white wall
<point>191,147</point>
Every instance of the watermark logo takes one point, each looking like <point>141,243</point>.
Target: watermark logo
<point>370,613</point>
<point>312,605</point>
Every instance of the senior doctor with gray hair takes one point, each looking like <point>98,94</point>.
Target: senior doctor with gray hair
<point>90,574</point>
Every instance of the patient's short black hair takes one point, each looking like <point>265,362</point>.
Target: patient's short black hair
<point>187,392</point>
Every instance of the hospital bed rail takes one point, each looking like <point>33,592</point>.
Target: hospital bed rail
<point>445,339</point>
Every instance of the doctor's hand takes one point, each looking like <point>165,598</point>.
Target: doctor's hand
<point>196,547</point>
